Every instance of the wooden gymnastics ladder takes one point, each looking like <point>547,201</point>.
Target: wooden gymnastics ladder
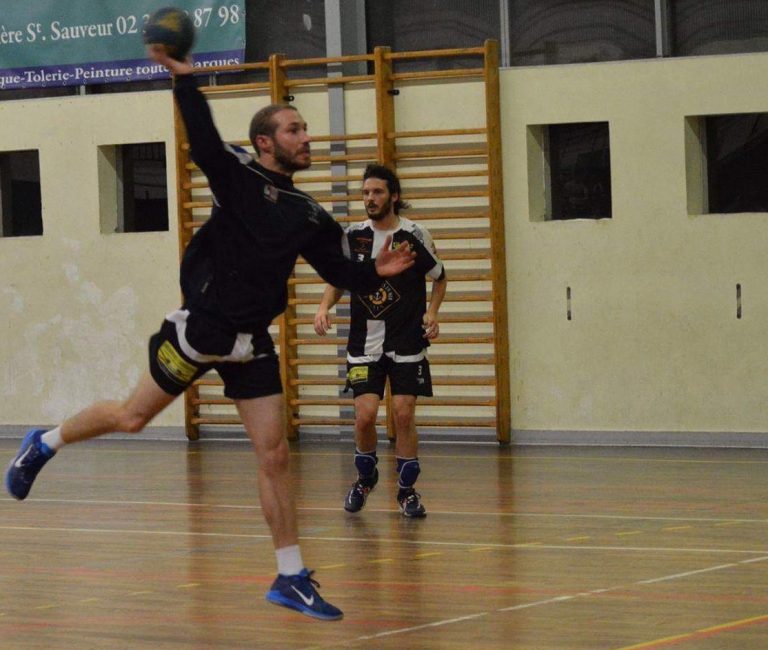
<point>452,177</point>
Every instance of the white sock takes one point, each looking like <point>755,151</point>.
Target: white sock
<point>289,562</point>
<point>52,439</point>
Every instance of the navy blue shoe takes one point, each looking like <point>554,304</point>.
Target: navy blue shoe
<point>300,593</point>
<point>33,454</point>
<point>358,493</point>
<point>410,503</point>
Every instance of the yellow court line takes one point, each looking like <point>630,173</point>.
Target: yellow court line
<point>189,585</point>
<point>482,548</point>
<point>419,556</point>
<point>677,528</point>
<point>704,631</point>
<point>331,566</point>
<point>628,532</point>
<point>580,538</point>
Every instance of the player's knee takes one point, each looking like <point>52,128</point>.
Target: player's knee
<point>365,419</point>
<point>130,421</point>
<point>403,416</point>
<point>274,458</point>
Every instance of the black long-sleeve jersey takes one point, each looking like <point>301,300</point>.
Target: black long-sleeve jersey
<point>237,265</point>
<point>389,319</point>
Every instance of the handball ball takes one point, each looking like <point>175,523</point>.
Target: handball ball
<point>172,28</point>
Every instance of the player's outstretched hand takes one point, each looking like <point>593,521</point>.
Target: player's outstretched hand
<point>393,262</point>
<point>158,54</point>
<point>322,322</point>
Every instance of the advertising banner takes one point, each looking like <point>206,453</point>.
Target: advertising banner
<point>77,42</point>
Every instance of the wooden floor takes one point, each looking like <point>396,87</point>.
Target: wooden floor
<point>137,544</point>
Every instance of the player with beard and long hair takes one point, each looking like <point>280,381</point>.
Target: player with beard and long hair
<point>234,279</point>
<point>389,333</point>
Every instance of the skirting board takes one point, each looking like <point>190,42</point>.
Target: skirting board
<point>734,440</point>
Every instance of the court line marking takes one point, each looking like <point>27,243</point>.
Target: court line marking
<point>565,598</point>
<point>701,633</point>
<point>721,521</point>
<point>394,541</point>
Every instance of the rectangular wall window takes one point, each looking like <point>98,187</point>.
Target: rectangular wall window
<point>133,188</point>
<point>20,200</point>
<point>569,168</point>
<point>726,159</point>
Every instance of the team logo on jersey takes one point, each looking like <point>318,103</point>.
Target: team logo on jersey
<point>271,193</point>
<point>362,245</point>
<point>377,303</point>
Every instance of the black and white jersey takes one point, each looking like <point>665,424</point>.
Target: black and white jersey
<point>236,267</point>
<point>389,320</point>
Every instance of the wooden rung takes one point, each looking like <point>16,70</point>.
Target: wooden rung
<point>450,296</point>
<point>468,152</point>
<point>436,360</point>
<point>330,81</point>
<point>454,254</point>
<point>437,380</point>
<point>424,401</point>
<point>349,157</point>
<point>443,215</point>
<point>469,339</point>
<point>217,420</point>
<point>434,133</point>
<point>456,422</point>
<point>438,74</point>
<point>469,276</point>
<point>297,63</point>
<point>236,88</point>
<point>460,233</point>
<point>212,401</point>
<point>444,317</point>
<point>454,275</point>
<point>330,421</point>
<point>422,54</point>
<point>412,196</point>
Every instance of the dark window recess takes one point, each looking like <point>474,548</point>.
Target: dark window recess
<point>20,202</point>
<point>580,171</point>
<point>553,31</point>
<point>295,28</point>
<point>717,27</point>
<point>737,157</point>
<point>408,26</point>
<point>145,192</point>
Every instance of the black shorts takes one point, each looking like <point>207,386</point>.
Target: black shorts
<point>410,378</point>
<point>187,346</point>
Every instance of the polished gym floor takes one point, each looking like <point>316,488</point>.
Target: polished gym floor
<point>128,544</point>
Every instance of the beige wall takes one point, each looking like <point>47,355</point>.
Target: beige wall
<point>654,344</point>
<point>78,306</point>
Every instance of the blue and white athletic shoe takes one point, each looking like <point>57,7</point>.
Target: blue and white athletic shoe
<point>33,454</point>
<point>299,592</point>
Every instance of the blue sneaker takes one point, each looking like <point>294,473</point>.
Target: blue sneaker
<point>299,593</point>
<point>410,503</point>
<point>33,454</point>
<point>358,493</point>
